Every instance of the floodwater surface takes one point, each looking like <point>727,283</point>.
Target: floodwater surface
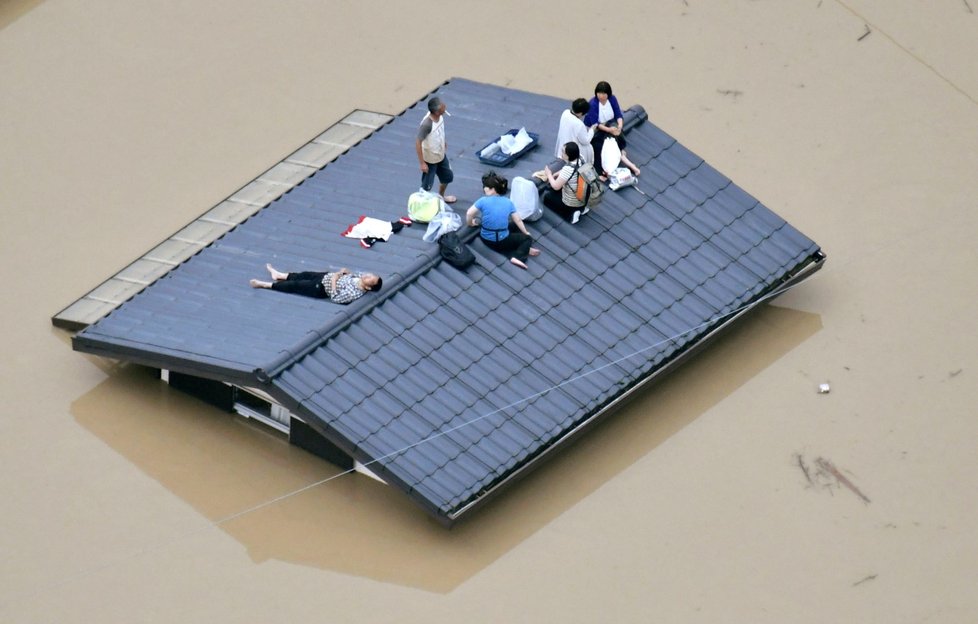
<point>731,491</point>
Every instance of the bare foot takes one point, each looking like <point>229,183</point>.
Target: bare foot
<point>276,275</point>
<point>260,284</point>
<point>534,251</point>
<point>518,263</point>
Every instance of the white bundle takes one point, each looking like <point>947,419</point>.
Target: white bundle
<point>520,141</point>
<point>621,177</point>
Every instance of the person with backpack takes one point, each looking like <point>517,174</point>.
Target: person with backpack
<point>500,227</point>
<point>567,195</point>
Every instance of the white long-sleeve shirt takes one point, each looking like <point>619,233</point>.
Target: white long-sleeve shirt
<point>572,129</point>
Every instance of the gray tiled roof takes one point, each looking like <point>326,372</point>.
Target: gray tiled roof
<point>449,383</point>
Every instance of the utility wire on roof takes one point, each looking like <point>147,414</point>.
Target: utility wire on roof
<point>277,499</point>
<point>520,401</point>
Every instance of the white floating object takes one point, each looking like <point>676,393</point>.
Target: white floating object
<point>823,388</point>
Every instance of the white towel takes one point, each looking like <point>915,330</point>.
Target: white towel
<point>369,227</point>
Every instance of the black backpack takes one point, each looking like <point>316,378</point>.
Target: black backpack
<point>454,251</point>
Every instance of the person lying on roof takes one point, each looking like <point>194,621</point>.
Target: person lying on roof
<point>339,286</point>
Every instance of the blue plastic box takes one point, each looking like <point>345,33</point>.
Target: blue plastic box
<point>500,159</point>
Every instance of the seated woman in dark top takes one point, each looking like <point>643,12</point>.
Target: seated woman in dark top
<point>339,286</point>
<point>605,116</point>
<point>561,197</point>
<point>502,229</point>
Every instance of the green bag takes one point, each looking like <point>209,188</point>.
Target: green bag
<point>424,205</point>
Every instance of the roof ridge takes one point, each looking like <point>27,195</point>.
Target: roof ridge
<point>321,334</point>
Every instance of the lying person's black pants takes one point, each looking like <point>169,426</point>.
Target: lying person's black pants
<point>307,283</point>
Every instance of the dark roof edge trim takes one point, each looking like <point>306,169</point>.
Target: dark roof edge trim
<point>801,273</point>
<point>218,370</point>
<point>62,323</point>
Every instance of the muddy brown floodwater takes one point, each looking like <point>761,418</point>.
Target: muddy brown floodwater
<point>731,492</point>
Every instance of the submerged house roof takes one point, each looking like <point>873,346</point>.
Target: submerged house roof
<point>449,384</point>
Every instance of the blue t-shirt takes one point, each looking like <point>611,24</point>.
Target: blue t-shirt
<point>495,216</point>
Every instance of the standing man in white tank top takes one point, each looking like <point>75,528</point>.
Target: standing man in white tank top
<point>432,150</point>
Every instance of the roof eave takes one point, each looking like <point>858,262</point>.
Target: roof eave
<point>210,368</point>
<point>800,273</point>
<point>312,420</point>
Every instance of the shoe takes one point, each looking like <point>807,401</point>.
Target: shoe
<point>585,211</point>
<point>576,217</point>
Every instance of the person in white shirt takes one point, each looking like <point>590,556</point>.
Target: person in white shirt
<point>572,128</point>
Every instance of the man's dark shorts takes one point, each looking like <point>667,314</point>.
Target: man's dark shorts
<point>443,170</point>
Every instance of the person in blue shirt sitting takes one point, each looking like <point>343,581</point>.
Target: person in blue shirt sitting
<point>501,229</point>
